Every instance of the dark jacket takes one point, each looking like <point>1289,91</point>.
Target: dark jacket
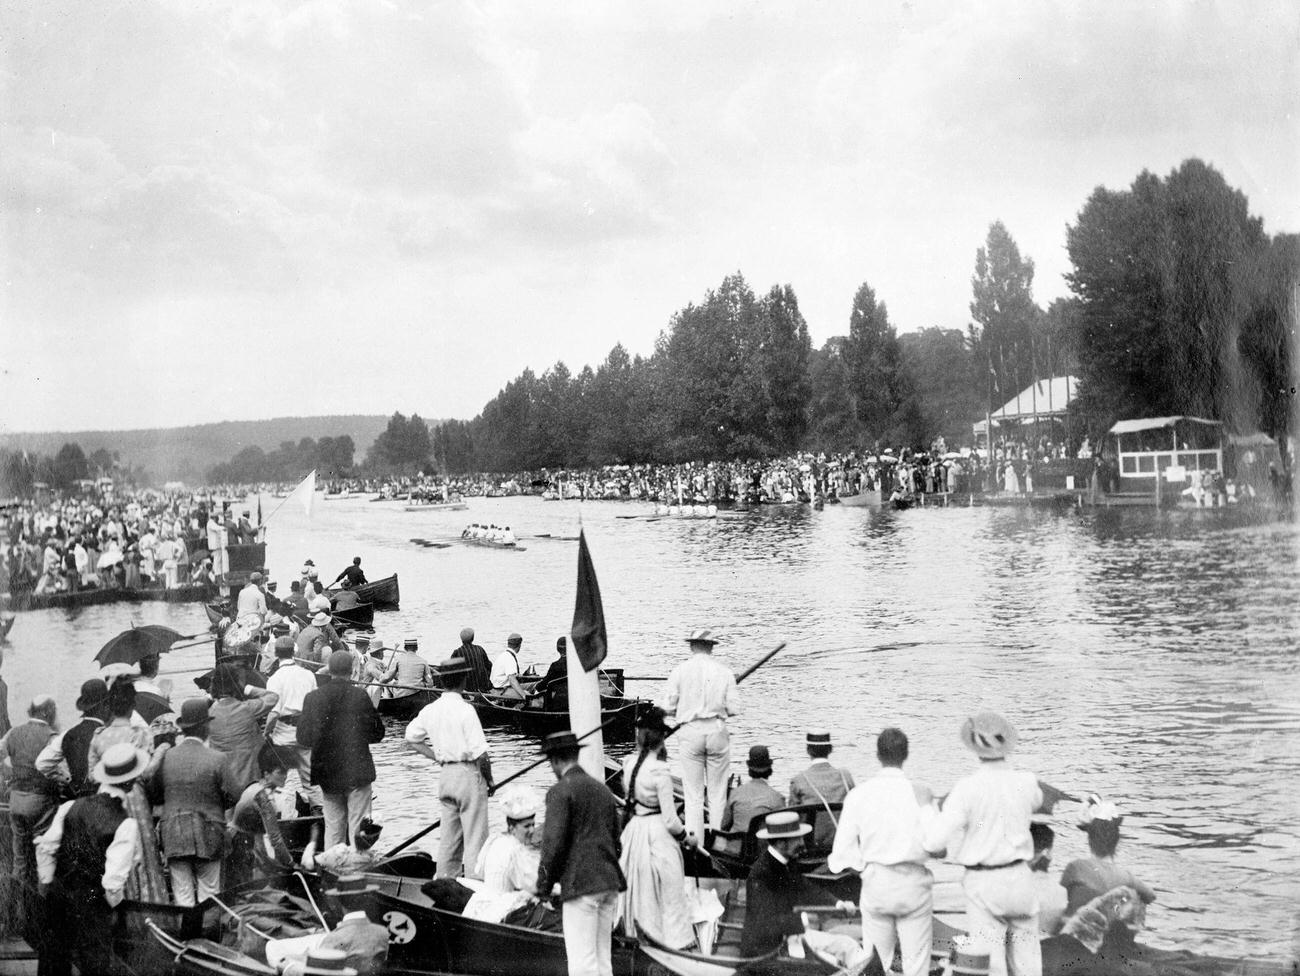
<point>196,785</point>
<point>76,753</point>
<point>480,667</point>
<point>88,831</point>
<point>772,891</point>
<point>580,843</point>
<point>338,723</point>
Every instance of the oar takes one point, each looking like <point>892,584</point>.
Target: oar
<point>644,677</point>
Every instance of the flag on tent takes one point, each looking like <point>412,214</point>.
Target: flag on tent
<point>588,630</point>
<point>304,493</point>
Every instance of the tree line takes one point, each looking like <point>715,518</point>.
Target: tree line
<point>22,471</point>
<point>1180,304</point>
<point>331,457</point>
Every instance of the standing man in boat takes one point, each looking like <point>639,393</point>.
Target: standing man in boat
<point>880,837</point>
<point>821,783</point>
<point>580,852</point>
<point>991,810</point>
<point>701,694</point>
<point>480,666</point>
<point>338,724</point>
<point>448,731</point>
<point>353,574</point>
<point>292,683</point>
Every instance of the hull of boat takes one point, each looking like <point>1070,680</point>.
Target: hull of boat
<point>438,507</point>
<point>384,593</point>
<point>406,707</point>
<point>489,544</point>
<point>27,600</point>
<point>540,723</point>
<point>362,615</point>
<point>862,498</point>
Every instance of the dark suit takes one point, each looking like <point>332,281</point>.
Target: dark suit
<point>772,890</point>
<point>338,724</point>
<point>580,844</point>
<point>580,850</point>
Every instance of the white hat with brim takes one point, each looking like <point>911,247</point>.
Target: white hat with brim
<point>321,619</point>
<point>702,637</point>
<point>989,735</point>
<point>120,763</point>
<point>519,803</point>
<point>785,825</point>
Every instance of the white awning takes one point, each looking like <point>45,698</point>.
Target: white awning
<point>1044,398</point>
<point>1155,423</point>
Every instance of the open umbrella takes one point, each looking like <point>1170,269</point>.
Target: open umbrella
<point>108,559</point>
<point>131,646</point>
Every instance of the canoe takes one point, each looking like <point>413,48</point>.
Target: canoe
<point>71,600</point>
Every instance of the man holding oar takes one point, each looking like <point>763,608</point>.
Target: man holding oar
<point>448,731</point>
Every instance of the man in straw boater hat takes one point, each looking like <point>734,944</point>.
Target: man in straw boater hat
<point>991,810</point>
<point>338,724</point>
<point>408,670</point>
<point>580,848</point>
<point>774,888</point>
<point>448,731</point>
<point>84,860</point>
<point>700,695</point>
<point>880,837</point>
<point>820,783</point>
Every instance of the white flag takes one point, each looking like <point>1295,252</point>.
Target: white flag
<point>304,493</point>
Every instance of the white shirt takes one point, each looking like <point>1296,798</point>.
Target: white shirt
<point>250,600</point>
<point>450,727</point>
<point>123,851</point>
<point>293,684</point>
<point>991,808</point>
<point>319,603</point>
<point>880,823</point>
<point>506,664</point>
<point>701,688</point>
<point>509,872</point>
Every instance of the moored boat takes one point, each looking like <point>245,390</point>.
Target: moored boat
<point>868,496</point>
<point>75,599</point>
<point>383,593</point>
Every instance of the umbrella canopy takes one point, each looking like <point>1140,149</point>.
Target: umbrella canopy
<point>108,559</point>
<point>132,646</point>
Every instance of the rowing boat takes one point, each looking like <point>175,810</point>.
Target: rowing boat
<point>438,507</point>
<point>75,599</point>
<point>869,496</point>
<point>619,721</point>
<point>361,615</point>
<point>383,593</point>
<point>407,705</point>
<point>492,544</point>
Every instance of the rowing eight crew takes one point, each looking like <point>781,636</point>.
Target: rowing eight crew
<point>490,533</point>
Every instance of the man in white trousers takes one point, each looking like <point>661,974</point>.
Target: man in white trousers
<point>701,694</point>
<point>880,836</point>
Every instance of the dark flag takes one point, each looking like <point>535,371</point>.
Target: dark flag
<point>259,508</point>
<point>588,631</point>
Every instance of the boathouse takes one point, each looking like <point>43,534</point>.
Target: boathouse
<point>1173,448</point>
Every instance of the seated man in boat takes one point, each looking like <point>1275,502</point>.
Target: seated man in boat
<point>407,670</point>
<point>346,598</point>
<point>751,799</point>
<point>506,670</point>
<point>553,689</point>
<point>821,783</point>
<point>774,888</point>
<point>353,575</point>
<point>508,537</point>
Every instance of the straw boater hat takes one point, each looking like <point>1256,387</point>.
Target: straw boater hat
<point>120,763</point>
<point>453,666</point>
<point>702,637</point>
<point>560,742</point>
<point>411,644</point>
<point>782,826</point>
<point>989,735</point>
<point>817,737</point>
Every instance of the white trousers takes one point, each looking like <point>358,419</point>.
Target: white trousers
<point>190,873</point>
<point>1002,919</point>
<point>462,791</point>
<point>588,930</point>
<point>897,910</point>
<point>706,760</point>
<point>343,815</point>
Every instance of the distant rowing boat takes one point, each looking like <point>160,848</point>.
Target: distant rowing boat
<point>73,599</point>
<point>438,507</point>
<point>493,544</point>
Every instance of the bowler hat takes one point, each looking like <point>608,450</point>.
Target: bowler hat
<point>760,760</point>
<point>989,735</point>
<point>785,824</point>
<point>194,712</point>
<point>560,743</point>
<point>94,692</point>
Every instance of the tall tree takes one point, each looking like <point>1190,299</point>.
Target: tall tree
<point>938,363</point>
<point>70,465</point>
<point>1005,315</point>
<point>876,384</point>
<point>784,353</point>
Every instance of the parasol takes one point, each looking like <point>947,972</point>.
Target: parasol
<point>108,559</point>
<point>132,646</point>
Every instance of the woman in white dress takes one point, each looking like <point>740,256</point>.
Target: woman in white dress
<point>655,899</point>
<point>508,861</point>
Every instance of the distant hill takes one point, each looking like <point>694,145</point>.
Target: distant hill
<point>185,453</point>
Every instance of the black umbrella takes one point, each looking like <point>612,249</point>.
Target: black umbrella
<point>131,646</point>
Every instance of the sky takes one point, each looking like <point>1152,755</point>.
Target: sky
<point>240,210</point>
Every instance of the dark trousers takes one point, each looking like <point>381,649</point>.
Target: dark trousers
<point>29,816</point>
<point>78,928</point>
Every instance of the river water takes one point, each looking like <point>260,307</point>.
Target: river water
<point>1145,656</point>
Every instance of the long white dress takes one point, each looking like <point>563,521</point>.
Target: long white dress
<point>509,871</point>
<point>655,898</point>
